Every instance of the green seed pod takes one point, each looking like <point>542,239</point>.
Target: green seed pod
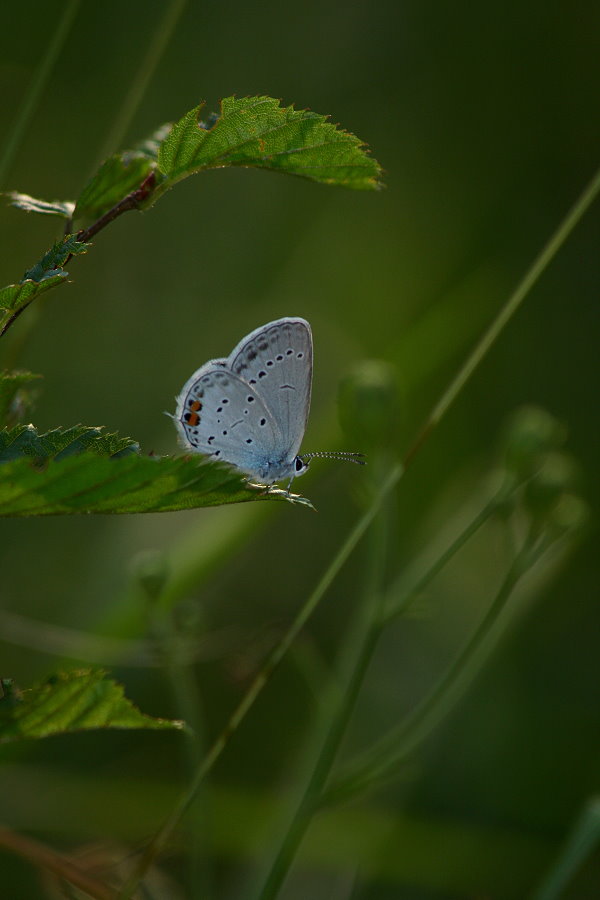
<point>530,433</point>
<point>369,405</point>
<point>556,476</point>
<point>570,513</point>
<point>150,570</point>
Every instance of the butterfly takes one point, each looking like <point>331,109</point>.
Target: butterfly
<point>251,409</point>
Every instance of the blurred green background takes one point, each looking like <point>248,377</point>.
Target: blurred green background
<point>485,119</point>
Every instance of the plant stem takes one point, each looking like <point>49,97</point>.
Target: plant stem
<point>188,704</point>
<point>36,87</point>
<point>533,274</point>
<point>580,844</point>
<point>260,681</point>
<point>304,812</point>
<point>392,750</point>
<point>131,201</point>
<point>163,33</point>
<point>45,858</point>
<point>361,642</point>
<point>399,606</point>
<point>369,635</point>
<point>440,409</point>
<point>425,718</point>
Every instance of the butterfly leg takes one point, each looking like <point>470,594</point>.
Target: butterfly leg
<point>263,488</point>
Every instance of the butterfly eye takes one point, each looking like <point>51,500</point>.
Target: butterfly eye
<point>301,466</point>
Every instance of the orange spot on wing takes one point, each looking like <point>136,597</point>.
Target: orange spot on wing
<point>193,419</point>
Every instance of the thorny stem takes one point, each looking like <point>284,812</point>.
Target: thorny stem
<point>14,317</point>
<point>131,201</point>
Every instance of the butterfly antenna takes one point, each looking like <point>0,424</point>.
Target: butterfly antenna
<point>348,455</point>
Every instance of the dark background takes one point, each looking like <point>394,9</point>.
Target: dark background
<point>485,119</point>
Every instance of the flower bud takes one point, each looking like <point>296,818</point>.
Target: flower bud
<point>150,570</point>
<point>369,405</point>
<point>570,513</point>
<point>530,433</point>
<point>556,476</point>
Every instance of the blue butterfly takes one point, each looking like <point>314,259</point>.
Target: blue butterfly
<point>251,409</point>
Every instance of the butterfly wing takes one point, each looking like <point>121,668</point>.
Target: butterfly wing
<point>276,361</point>
<point>220,414</point>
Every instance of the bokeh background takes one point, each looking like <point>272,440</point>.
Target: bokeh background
<point>485,119</point>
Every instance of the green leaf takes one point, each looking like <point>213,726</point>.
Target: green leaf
<point>59,443</point>
<point>70,701</point>
<point>14,399</point>
<point>88,483</point>
<point>251,131</point>
<point>62,208</point>
<point>81,470</point>
<point>115,179</point>
<point>51,262</point>
<point>46,273</point>
<point>150,146</point>
<point>15,297</point>
<point>257,131</point>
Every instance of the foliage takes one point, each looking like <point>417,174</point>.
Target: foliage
<point>24,441</point>
<point>250,131</point>
<point>114,180</point>
<point>70,701</point>
<point>44,274</point>
<point>82,470</point>
<point>471,540</point>
<point>62,208</point>
<point>257,131</point>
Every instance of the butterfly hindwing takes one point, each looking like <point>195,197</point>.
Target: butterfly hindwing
<point>221,415</point>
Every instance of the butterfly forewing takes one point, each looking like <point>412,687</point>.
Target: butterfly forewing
<point>220,414</point>
<point>276,362</point>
